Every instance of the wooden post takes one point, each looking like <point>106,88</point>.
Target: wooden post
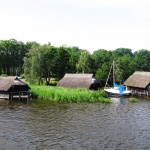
<point>147,93</point>
<point>27,97</point>
<point>19,96</point>
<point>11,96</point>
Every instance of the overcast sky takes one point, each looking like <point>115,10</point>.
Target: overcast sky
<point>87,24</point>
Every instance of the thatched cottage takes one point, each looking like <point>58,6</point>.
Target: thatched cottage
<point>139,82</point>
<point>12,84</point>
<point>86,81</point>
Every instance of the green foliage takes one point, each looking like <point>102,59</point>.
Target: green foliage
<point>141,60</point>
<point>62,61</point>
<point>57,94</point>
<point>22,76</point>
<point>11,56</point>
<point>3,75</point>
<point>83,65</point>
<point>120,52</point>
<point>100,57</point>
<point>102,73</point>
<point>74,53</point>
<point>53,82</point>
<point>39,63</point>
<point>133,99</point>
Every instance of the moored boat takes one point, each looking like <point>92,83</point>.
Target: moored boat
<point>116,90</point>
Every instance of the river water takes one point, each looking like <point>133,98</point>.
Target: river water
<point>38,125</point>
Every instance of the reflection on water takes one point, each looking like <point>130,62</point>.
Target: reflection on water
<point>90,126</point>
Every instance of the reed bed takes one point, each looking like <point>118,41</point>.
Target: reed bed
<point>58,94</point>
<point>133,99</point>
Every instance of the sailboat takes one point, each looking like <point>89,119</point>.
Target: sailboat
<point>116,90</point>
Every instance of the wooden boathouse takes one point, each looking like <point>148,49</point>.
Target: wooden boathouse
<point>13,88</point>
<point>139,83</point>
<point>86,81</point>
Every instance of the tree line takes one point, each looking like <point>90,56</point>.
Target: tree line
<point>39,63</point>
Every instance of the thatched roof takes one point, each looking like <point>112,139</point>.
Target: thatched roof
<point>138,79</point>
<point>77,81</point>
<point>8,82</point>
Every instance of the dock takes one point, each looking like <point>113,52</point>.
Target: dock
<point>21,95</point>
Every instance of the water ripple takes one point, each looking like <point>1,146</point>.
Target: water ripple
<point>120,125</point>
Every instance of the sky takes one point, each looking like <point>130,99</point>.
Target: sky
<point>87,24</point>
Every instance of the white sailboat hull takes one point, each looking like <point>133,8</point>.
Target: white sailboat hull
<point>113,91</point>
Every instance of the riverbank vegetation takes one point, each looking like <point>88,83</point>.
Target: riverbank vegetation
<point>133,99</point>
<point>39,63</point>
<point>58,94</point>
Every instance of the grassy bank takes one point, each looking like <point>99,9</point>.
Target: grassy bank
<point>133,99</point>
<point>57,94</point>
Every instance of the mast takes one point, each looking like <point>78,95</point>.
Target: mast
<point>113,71</point>
<point>109,75</point>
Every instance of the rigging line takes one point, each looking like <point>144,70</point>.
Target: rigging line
<point>108,74</point>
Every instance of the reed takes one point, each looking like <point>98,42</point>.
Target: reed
<point>133,99</point>
<point>58,94</point>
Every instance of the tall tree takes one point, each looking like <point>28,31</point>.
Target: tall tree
<point>100,57</point>
<point>102,73</point>
<point>74,57</point>
<point>62,61</point>
<point>123,68</point>
<point>34,64</point>
<point>11,56</point>
<point>83,64</point>
<point>141,60</point>
<point>119,52</point>
<point>49,65</point>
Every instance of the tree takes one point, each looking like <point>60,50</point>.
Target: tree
<point>123,68</point>
<point>74,57</point>
<point>83,64</point>
<point>34,64</point>
<point>61,61</point>
<point>50,61</point>
<point>119,52</point>
<point>102,73</point>
<point>141,60</point>
<point>100,57</point>
<point>11,56</point>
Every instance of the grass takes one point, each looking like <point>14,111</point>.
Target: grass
<point>58,94</point>
<point>133,99</point>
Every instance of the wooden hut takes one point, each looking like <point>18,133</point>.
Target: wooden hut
<point>86,81</point>
<point>12,87</point>
<point>139,82</point>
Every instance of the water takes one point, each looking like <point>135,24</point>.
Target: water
<point>121,125</point>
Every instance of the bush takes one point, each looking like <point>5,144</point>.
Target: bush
<point>4,75</point>
<point>22,76</point>
<point>133,99</point>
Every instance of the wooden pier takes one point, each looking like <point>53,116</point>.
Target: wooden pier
<point>21,95</point>
<point>14,88</point>
<point>140,92</point>
<point>4,96</point>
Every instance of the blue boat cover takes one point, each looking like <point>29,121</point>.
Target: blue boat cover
<point>121,88</point>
